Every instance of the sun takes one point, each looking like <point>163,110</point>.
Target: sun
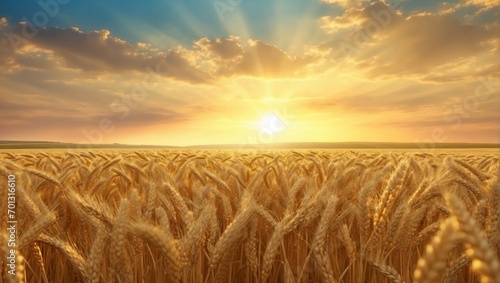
<point>271,123</point>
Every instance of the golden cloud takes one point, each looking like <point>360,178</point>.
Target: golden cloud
<point>384,43</point>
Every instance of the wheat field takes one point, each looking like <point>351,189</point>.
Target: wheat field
<point>270,216</point>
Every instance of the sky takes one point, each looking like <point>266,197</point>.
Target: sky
<point>172,72</point>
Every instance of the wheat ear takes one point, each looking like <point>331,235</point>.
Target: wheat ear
<point>95,257</point>
<point>436,254</point>
<point>484,262</point>
<point>232,234</point>
<point>117,247</point>
<point>388,272</point>
<point>158,239</point>
<point>20,270</point>
<point>190,243</point>
<point>455,266</point>
<point>318,242</point>
<point>73,255</point>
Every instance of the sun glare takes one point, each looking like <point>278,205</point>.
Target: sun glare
<point>271,123</point>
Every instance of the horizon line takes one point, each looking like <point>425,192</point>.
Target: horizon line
<point>11,144</point>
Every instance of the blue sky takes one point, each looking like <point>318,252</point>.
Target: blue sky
<point>185,21</point>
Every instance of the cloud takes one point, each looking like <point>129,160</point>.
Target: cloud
<point>40,104</point>
<point>408,97</point>
<point>487,4</point>
<point>70,126</point>
<point>384,43</point>
<point>3,23</point>
<point>488,120</point>
<point>425,42</point>
<point>380,13</point>
<point>352,17</point>
<point>7,55</point>
<point>221,48</point>
<point>228,57</point>
<point>345,3</point>
<point>99,52</point>
<point>265,60</point>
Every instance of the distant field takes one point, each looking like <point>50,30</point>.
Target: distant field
<point>190,215</point>
<point>59,145</point>
<point>308,145</point>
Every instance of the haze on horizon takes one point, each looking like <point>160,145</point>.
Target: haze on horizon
<point>229,72</point>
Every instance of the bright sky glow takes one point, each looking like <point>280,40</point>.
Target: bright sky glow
<point>223,72</point>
